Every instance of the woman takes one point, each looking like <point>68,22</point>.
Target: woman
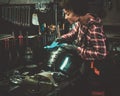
<point>87,36</point>
<point>87,32</point>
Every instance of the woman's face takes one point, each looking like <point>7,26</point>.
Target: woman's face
<point>70,16</point>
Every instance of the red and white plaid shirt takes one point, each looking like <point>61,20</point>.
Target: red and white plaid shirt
<point>89,38</point>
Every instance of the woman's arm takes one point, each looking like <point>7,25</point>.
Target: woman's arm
<point>72,33</point>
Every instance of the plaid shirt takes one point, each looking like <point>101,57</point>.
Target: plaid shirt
<point>89,38</point>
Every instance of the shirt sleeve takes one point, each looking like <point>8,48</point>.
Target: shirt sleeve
<point>72,33</point>
<point>97,39</point>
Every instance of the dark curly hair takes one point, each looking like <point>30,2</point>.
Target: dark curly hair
<point>81,7</point>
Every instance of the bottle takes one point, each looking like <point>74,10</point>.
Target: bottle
<point>28,56</point>
<point>20,39</point>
